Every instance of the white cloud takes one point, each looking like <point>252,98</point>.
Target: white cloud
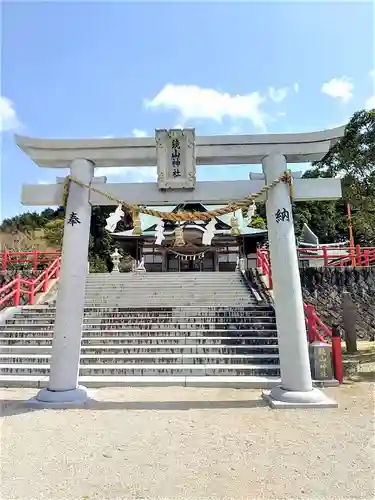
<point>296,87</point>
<point>194,102</point>
<point>370,103</point>
<point>139,133</point>
<point>128,174</point>
<point>339,88</point>
<point>372,73</point>
<point>277,95</point>
<point>8,115</point>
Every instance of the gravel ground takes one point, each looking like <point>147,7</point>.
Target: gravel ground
<point>187,443</point>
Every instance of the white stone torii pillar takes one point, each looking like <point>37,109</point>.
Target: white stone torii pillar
<point>296,387</point>
<point>70,303</point>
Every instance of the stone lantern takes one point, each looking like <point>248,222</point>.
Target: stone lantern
<point>116,259</point>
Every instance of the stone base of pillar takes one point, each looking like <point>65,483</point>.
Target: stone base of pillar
<point>280,398</point>
<point>59,399</point>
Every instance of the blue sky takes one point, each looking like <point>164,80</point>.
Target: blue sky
<point>119,69</point>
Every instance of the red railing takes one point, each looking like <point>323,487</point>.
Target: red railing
<point>338,256</point>
<point>15,289</point>
<point>263,263</point>
<point>35,257</point>
<point>317,331</point>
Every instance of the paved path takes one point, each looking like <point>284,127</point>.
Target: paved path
<point>174,443</point>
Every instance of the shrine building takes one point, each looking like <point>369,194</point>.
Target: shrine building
<point>190,254</point>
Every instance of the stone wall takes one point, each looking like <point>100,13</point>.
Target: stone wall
<point>323,288</point>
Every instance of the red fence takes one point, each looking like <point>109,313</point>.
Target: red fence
<point>317,331</point>
<point>35,257</point>
<point>11,293</point>
<point>330,257</point>
<point>339,256</point>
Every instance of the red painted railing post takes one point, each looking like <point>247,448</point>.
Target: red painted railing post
<point>359,255</point>
<point>259,261</point>
<point>45,281</point>
<point>366,255</point>
<point>325,256</point>
<point>337,354</point>
<point>35,260</point>
<point>311,323</point>
<point>17,295</point>
<point>4,260</point>
<point>31,292</point>
<point>57,273</point>
<point>270,282</point>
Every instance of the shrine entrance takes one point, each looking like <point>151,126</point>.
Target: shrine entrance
<point>201,263</point>
<point>176,154</point>
<point>190,265</point>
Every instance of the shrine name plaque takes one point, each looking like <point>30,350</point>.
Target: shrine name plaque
<point>176,165</point>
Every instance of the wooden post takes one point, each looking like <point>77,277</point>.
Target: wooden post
<point>349,316</point>
<point>338,368</point>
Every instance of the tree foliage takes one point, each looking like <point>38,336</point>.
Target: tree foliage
<point>352,159</point>
<point>257,222</point>
<point>54,232</point>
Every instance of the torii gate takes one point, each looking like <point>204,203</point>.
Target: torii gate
<point>176,154</point>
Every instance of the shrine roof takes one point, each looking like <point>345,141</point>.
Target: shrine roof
<point>223,226</point>
<point>246,231</point>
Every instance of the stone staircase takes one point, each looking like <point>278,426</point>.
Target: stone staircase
<point>153,329</point>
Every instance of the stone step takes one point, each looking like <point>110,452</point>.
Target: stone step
<point>165,348</point>
<point>148,358</point>
<point>188,310</point>
<point>148,333</point>
<point>159,298</point>
<point>152,316</point>
<point>152,276</point>
<point>41,319</point>
<point>172,293</point>
<point>179,290</point>
<point>152,370</point>
<point>154,323</point>
<point>170,278</point>
<point>235,285</point>
<point>123,303</point>
<point>167,290</point>
<point>153,328</point>
<point>97,342</point>
<point>238,382</point>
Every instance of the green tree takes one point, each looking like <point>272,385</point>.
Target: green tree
<point>258,222</point>
<point>54,232</point>
<point>353,159</point>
